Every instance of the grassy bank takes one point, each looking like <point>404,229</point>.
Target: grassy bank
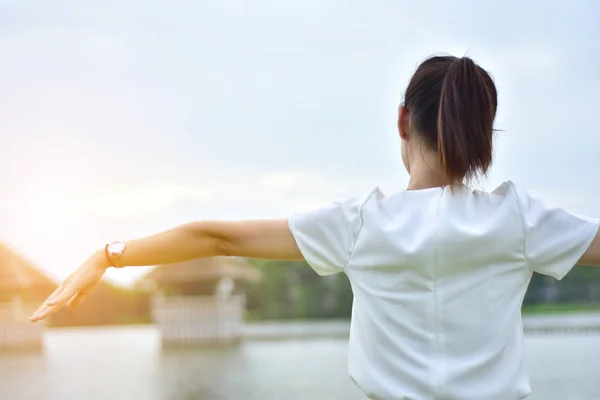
<point>567,308</point>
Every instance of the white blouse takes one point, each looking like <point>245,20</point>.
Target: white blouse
<point>438,277</point>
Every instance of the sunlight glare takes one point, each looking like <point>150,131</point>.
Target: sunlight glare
<point>51,207</point>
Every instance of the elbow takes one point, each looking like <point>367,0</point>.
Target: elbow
<point>216,240</point>
<point>223,247</point>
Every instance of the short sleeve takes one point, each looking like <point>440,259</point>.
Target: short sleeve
<point>554,239</point>
<point>326,235</point>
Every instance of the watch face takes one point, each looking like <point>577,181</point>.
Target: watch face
<point>116,248</point>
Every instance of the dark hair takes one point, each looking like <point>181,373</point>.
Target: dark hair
<point>452,105</point>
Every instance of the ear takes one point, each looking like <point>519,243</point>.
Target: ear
<point>403,122</point>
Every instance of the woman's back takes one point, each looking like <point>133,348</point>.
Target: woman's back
<point>438,277</point>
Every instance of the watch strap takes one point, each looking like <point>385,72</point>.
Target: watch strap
<point>109,260</point>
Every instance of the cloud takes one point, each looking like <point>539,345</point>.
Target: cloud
<point>282,191</point>
<point>121,119</point>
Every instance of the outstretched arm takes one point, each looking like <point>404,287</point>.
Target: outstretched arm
<point>266,239</point>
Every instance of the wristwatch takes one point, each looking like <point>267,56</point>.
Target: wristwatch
<point>113,251</point>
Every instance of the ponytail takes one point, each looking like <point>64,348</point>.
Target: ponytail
<point>465,120</point>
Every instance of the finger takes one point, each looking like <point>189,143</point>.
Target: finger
<point>52,296</point>
<point>65,296</point>
<point>44,302</point>
<point>51,306</point>
<point>41,314</point>
<point>45,313</point>
<point>42,311</point>
<point>35,316</point>
<point>82,294</point>
<point>77,299</point>
<point>57,292</point>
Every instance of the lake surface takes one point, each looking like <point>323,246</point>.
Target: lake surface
<point>128,363</point>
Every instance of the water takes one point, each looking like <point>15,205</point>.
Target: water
<point>128,363</point>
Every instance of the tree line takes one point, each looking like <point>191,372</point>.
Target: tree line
<point>292,290</point>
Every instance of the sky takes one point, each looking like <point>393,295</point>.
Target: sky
<point>119,119</point>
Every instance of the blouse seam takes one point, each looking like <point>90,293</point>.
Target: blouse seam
<point>522,217</point>
<point>360,227</point>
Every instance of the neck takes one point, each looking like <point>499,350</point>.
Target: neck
<point>422,176</point>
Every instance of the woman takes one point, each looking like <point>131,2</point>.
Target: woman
<point>438,271</point>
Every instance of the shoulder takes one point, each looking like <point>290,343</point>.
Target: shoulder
<point>512,188</point>
<point>514,192</point>
<point>351,206</point>
<point>326,235</point>
<point>508,188</point>
<point>341,215</point>
<point>373,196</point>
<point>525,199</point>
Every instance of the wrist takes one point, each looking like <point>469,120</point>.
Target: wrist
<point>100,259</point>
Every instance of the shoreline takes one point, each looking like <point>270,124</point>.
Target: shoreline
<point>315,329</point>
<point>532,324</point>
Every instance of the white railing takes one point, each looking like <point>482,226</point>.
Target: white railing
<point>196,319</point>
<point>15,329</point>
<point>16,312</point>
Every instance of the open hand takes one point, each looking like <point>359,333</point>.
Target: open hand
<point>74,289</point>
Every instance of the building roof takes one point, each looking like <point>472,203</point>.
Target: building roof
<point>17,273</point>
<point>204,269</point>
